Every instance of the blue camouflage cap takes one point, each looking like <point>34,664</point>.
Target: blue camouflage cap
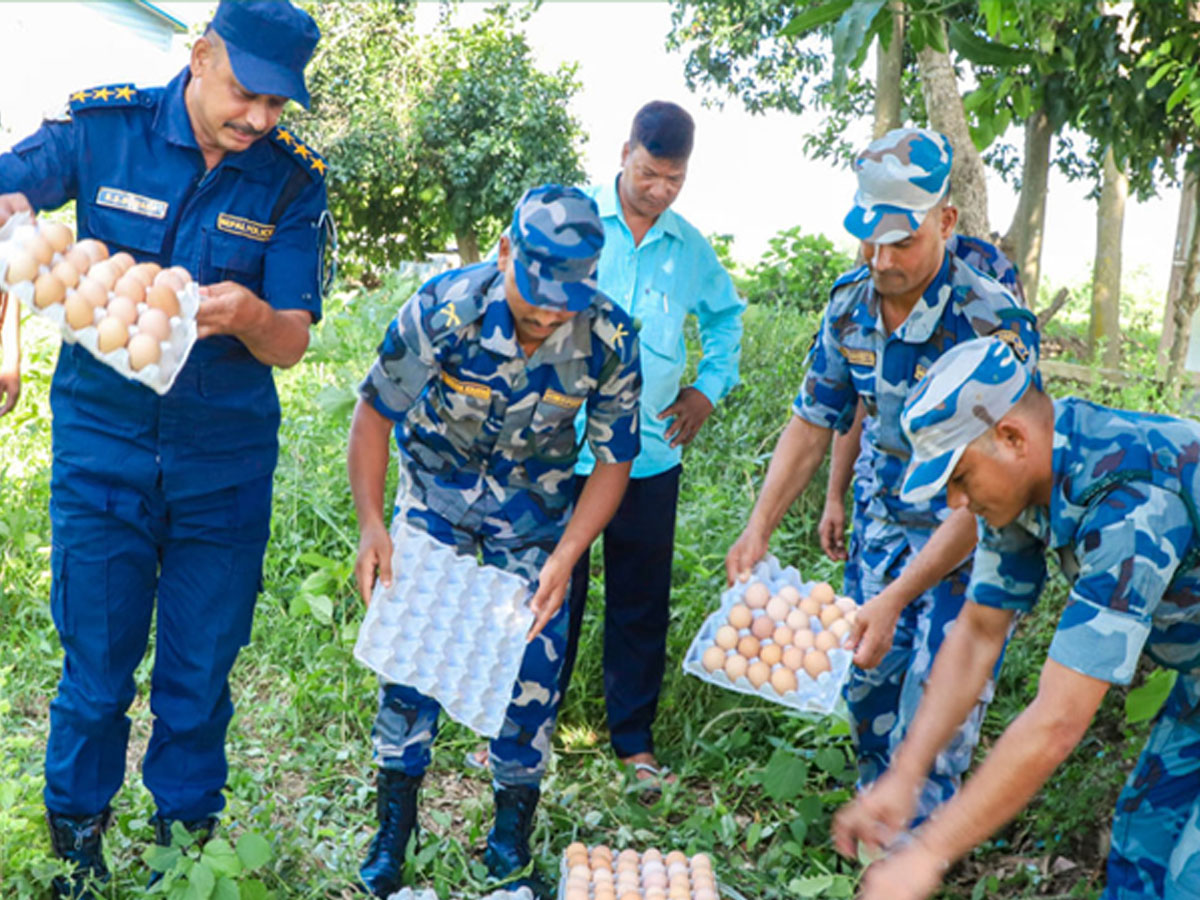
<point>269,44</point>
<point>901,176</point>
<point>965,392</point>
<point>556,238</point>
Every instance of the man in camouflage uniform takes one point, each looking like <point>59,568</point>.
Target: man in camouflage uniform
<point>886,323</point>
<point>1113,493</point>
<point>482,372</point>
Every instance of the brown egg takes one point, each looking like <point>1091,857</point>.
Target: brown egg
<point>163,297</point>
<point>155,322</point>
<point>47,291</point>
<point>575,847</point>
<point>740,616</point>
<point>803,639</point>
<point>629,855</point>
<point>123,308</point>
<point>783,635</point>
<point>759,673</point>
<point>79,313</point>
<point>770,653</point>
<point>756,595</point>
<point>111,334</point>
<point>713,659</point>
<point>123,261</point>
<point>676,856</point>
<point>66,273</point>
<point>702,860</point>
<point>128,286</point>
<point>182,274</point>
<point>748,646</point>
<point>105,273</point>
<point>652,855</point>
<point>783,680</point>
<point>810,606</point>
<point>825,640</point>
<point>92,291</point>
<point>796,620</point>
<point>78,257</point>
<point>793,657</point>
<point>144,350</point>
<point>726,637</point>
<point>22,266</point>
<point>789,595</point>
<point>41,249</point>
<point>169,278</point>
<point>778,608</point>
<point>822,593</point>
<point>631,895</point>
<point>95,250</point>
<point>58,234</point>
<point>762,627</point>
<point>575,892</point>
<point>851,616</point>
<point>735,666</point>
<point>145,272</point>
<point>840,629</point>
<point>845,604</point>
<point>815,662</point>
<point>830,614</point>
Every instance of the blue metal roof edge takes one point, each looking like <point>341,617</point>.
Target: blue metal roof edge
<point>175,24</point>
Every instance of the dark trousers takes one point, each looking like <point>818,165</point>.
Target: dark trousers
<point>639,543</point>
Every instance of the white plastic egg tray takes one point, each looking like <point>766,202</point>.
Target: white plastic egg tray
<point>813,695</point>
<point>427,894</point>
<point>449,627</point>
<point>595,873</point>
<point>174,350</point>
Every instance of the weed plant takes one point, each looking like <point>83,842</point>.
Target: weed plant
<point>758,784</point>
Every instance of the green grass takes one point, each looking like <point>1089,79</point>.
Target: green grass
<point>759,785</point>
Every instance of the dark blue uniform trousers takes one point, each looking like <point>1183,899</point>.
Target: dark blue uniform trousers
<point>639,544</point>
<point>115,547</point>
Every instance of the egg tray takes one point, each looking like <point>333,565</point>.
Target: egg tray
<point>407,893</point>
<point>449,627</point>
<point>811,696</point>
<point>643,891</point>
<point>157,376</point>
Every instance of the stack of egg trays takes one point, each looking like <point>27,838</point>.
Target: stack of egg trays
<point>407,893</point>
<point>819,697</point>
<point>449,627</point>
<point>157,376</point>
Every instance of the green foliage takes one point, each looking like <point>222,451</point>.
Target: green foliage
<point>214,870</point>
<point>796,270</point>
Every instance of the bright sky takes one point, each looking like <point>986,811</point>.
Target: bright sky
<point>747,176</point>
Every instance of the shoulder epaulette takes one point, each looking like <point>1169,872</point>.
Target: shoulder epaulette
<point>303,155</point>
<point>108,96</point>
<point>858,273</point>
<point>614,327</point>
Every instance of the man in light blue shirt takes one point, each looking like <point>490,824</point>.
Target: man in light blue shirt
<point>660,269</point>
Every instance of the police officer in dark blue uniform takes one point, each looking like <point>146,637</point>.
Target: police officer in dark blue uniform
<point>170,496</point>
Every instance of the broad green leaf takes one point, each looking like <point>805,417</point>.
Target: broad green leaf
<point>321,608</point>
<point>1159,73</point>
<point>201,881</point>
<point>785,775</point>
<point>253,850</point>
<point>813,886</point>
<point>226,889</point>
<point>1145,700</point>
<point>220,856</point>
<point>831,760</point>
<point>312,558</point>
<point>983,52</point>
<point>1177,95</point>
<point>161,859</point>
<point>810,808</point>
<point>253,889</point>
<point>815,17</point>
<point>850,34</point>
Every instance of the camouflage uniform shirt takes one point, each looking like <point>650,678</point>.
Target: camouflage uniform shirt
<point>474,414</point>
<point>1123,521</point>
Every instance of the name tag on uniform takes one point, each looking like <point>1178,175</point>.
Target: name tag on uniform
<point>1013,340</point>
<point>919,372</point>
<point>470,388</point>
<point>566,401</point>
<point>858,357</point>
<point>256,231</point>
<point>115,198</point>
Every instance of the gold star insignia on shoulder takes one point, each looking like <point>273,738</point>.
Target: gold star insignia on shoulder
<point>301,151</point>
<point>125,93</point>
<point>452,317</point>
<point>79,96</point>
<point>319,165</point>
<point>101,94</point>
<point>619,336</point>
<point>284,137</point>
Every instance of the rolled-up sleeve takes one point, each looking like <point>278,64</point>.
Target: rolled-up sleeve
<point>293,264</point>
<point>827,396</point>
<point>406,363</point>
<point>1009,568</point>
<point>44,166</point>
<point>612,408</point>
<point>719,315</point>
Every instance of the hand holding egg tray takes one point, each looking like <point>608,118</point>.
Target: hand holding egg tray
<point>138,319</point>
<point>778,638</point>
<point>449,627</point>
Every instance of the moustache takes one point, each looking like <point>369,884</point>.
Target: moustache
<point>246,130</point>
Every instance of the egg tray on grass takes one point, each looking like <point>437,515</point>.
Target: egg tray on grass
<point>779,638</point>
<point>137,318</point>
<point>594,873</point>
<point>449,627</point>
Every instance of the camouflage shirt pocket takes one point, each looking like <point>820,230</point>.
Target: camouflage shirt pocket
<point>552,428</point>
<point>461,407</point>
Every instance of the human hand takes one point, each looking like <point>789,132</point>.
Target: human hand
<point>831,530</point>
<point>873,629</point>
<point>11,204</point>
<point>909,874</point>
<point>229,308</point>
<point>876,816</point>
<point>10,390</point>
<point>747,550</point>
<point>374,556</point>
<point>690,410</point>
<point>553,580</point>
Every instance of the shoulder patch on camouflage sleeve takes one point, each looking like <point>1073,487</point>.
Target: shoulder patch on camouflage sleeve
<point>300,153</point>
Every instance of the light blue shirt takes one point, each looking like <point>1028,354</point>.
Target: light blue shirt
<point>672,273</point>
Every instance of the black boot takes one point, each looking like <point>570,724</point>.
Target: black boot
<point>508,841</point>
<point>80,841</point>
<point>201,829</point>
<point>382,872</point>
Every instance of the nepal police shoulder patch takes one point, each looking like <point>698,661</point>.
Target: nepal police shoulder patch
<point>303,155</point>
<point>111,95</point>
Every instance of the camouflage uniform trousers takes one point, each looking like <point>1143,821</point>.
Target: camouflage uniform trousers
<point>1156,829</point>
<point>407,721</point>
<point>883,701</point>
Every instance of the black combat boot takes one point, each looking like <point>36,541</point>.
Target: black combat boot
<point>382,872</point>
<point>80,841</point>
<point>201,829</point>
<point>508,841</point>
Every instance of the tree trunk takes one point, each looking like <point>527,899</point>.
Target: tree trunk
<point>1023,242</point>
<point>943,103</point>
<point>1185,224</point>
<point>1185,309</point>
<point>1106,276</point>
<point>468,246</point>
<point>889,67</point>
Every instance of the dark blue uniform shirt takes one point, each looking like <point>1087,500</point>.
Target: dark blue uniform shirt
<point>130,160</point>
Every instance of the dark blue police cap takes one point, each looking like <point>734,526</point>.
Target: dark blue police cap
<point>269,44</point>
